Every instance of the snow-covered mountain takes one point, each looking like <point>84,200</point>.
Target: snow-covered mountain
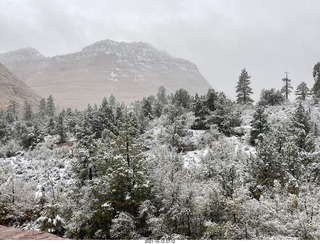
<point>130,71</point>
<point>12,88</point>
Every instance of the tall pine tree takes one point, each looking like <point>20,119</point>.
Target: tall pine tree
<point>243,88</point>
<point>287,88</point>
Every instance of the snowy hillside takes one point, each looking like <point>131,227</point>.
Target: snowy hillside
<point>171,167</point>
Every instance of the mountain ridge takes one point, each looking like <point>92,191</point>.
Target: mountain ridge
<point>129,71</point>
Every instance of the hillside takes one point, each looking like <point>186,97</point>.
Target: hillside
<point>130,71</point>
<point>12,88</point>
<point>142,177</point>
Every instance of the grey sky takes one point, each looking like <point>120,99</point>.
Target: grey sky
<point>268,37</point>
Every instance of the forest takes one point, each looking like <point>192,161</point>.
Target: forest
<point>171,166</point>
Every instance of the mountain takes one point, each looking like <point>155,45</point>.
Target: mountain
<point>129,71</point>
<point>12,88</point>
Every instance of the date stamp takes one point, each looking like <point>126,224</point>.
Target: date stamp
<point>162,241</point>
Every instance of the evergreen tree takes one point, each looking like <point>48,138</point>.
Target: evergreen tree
<point>4,130</point>
<point>243,88</point>
<point>201,112</point>
<point>271,97</point>
<point>301,119</point>
<point>287,88</point>
<point>161,95</point>
<point>147,108</point>
<point>27,111</point>
<point>316,77</point>
<point>43,107</point>
<point>51,126</point>
<point>61,129</point>
<point>211,98</point>
<point>182,98</point>
<point>302,91</point>
<point>12,112</point>
<point>301,129</point>
<point>50,108</point>
<point>259,125</point>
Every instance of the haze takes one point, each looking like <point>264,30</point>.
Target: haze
<point>267,38</point>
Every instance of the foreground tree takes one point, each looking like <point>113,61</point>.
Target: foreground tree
<point>243,88</point>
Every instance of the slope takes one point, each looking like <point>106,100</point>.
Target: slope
<point>12,88</point>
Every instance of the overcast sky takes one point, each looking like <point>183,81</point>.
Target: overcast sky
<point>267,37</point>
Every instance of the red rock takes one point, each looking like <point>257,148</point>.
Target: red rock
<point>10,233</point>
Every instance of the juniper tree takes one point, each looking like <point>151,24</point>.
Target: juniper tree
<point>287,88</point>
<point>243,88</point>
<point>302,91</point>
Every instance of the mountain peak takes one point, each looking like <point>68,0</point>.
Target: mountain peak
<point>21,55</point>
<point>129,71</point>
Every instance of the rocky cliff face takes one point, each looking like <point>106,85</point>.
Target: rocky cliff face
<point>12,88</point>
<point>130,71</point>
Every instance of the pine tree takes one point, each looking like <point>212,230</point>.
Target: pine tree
<point>12,112</point>
<point>61,129</point>
<point>302,91</point>
<point>316,77</point>
<point>50,108</point>
<point>259,125</point>
<point>301,119</point>
<point>4,130</point>
<point>287,88</point>
<point>243,88</point>
<point>271,97</point>
<point>301,129</point>
<point>161,95</point>
<point>211,98</point>
<point>43,107</point>
<point>182,98</point>
<point>147,108</point>
<point>27,111</point>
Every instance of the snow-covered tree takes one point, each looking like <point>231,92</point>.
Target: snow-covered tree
<point>259,125</point>
<point>287,88</point>
<point>243,88</point>
<point>302,91</point>
<point>50,107</point>
<point>316,77</point>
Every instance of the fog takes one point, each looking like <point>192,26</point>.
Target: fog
<point>221,37</point>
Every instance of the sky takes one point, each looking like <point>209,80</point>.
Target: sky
<point>267,37</point>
